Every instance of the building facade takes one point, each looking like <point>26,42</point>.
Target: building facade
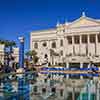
<point>15,53</point>
<point>76,42</point>
<point>1,53</point>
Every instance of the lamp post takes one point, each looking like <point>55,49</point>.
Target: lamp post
<point>23,85</point>
<point>21,52</point>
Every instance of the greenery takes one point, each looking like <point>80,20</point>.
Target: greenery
<point>32,55</point>
<point>52,54</point>
<point>8,44</point>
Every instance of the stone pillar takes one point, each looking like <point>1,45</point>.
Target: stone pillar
<point>67,66</point>
<point>88,43</point>
<point>80,44</point>
<point>81,66</point>
<point>88,91</point>
<point>96,44</point>
<point>73,45</point>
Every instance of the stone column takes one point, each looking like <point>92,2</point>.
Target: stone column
<point>81,66</point>
<point>88,43</point>
<point>73,45</point>
<point>80,44</point>
<point>67,66</point>
<point>96,44</point>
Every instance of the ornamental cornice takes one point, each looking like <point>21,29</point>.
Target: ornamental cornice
<point>44,32</point>
<point>82,29</point>
<point>81,33</point>
<point>42,40</point>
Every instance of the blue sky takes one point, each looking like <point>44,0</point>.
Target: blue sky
<point>20,17</point>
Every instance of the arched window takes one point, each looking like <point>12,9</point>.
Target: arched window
<point>44,44</point>
<point>36,45</point>
<point>61,42</point>
<point>45,56</point>
<point>54,45</point>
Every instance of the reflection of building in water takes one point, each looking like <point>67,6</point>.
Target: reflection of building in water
<point>15,53</point>
<point>76,42</point>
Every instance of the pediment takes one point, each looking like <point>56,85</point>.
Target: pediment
<point>84,21</point>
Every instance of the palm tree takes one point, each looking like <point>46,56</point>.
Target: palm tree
<point>12,44</point>
<point>52,54</point>
<point>8,44</point>
<point>32,55</point>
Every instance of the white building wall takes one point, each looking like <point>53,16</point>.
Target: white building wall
<point>16,54</point>
<point>2,53</point>
<point>77,49</point>
<point>70,50</point>
<point>81,26</point>
<point>98,49</point>
<point>91,49</point>
<point>83,49</point>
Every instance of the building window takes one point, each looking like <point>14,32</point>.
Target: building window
<point>61,42</point>
<point>54,45</point>
<point>44,44</point>
<point>45,56</point>
<point>92,38</point>
<point>84,38</point>
<point>36,45</point>
<point>76,39</point>
<point>99,38</point>
<point>69,38</point>
<point>61,53</point>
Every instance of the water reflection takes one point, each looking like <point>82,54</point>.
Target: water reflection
<point>30,87</point>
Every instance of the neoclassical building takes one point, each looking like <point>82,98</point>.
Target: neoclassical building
<point>75,43</point>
